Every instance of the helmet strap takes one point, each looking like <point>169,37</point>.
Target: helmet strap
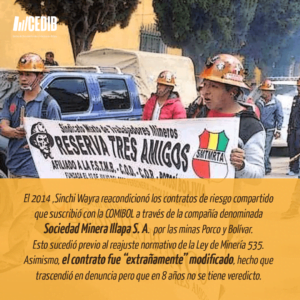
<point>32,85</point>
<point>167,90</point>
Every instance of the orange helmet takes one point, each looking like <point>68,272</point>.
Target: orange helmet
<point>31,62</point>
<point>267,85</point>
<point>298,81</point>
<point>225,68</point>
<point>166,78</point>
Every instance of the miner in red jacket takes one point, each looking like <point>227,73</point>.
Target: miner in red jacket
<point>165,103</point>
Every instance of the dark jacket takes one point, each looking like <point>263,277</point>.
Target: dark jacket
<point>195,110</point>
<point>294,120</point>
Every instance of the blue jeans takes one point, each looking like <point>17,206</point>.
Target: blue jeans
<point>269,139</point>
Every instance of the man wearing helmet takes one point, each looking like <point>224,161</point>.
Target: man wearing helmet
<point>294,133</point>
<point>166,103</point>
<point>223,79</point>
<point>34,102</point>
<point>271,116</point>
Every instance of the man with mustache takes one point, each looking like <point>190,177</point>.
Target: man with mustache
<point>165,103</point>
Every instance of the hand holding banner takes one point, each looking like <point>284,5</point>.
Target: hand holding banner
<point>197,148</point>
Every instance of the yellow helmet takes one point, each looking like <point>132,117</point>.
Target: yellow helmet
<point>166,78</point>
<point>31,62</point>
<point>267,85</point>
<point>225,68</point>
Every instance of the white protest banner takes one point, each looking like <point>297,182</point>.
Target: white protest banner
<point>191,148</point>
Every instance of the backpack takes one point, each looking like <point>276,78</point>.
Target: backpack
<point>45,106</point>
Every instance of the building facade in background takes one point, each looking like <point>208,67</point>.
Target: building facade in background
<point>140,34</point>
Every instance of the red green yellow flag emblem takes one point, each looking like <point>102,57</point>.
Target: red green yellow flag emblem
<point>209,161</point>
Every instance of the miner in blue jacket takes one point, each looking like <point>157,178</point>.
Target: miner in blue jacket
<point>271,116</point>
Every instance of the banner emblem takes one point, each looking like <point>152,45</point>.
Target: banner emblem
<point>209,161</point>
<point>41,139</point>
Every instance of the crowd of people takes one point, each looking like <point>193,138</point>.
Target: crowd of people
<point>221,93</point>
<point>223,81</point>
<point>216,83</point>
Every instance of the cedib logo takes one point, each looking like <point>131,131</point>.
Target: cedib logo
<point>35,24</point>
<point>209,161</point>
